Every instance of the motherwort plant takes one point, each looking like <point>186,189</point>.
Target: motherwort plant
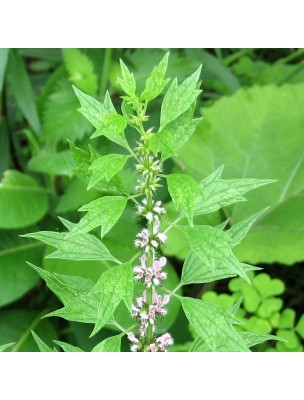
<point>111,301</point>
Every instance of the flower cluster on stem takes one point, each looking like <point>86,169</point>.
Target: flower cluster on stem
<point>150,306</point>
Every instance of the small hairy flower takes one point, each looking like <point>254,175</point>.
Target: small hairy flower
<point>164,341</point>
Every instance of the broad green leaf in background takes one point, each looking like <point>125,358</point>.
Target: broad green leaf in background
<point>22,201</point>
<point>220,71</point>
<point>179,99</point>
<point>261,129</point>
<point>262,73</point>
<point>79,247</point>
<point>114,286</point>
<point>214,325</point>
<point>3,61</point>
<point>16,325</point>
<point>213,247</point>
<point>61,163</point>
<point>127,80</point>
<point>81,70</point>
<point>111,344</point>
<point>156,82</point>
<point>120,239</point>
<point>80,304</point>
<point>16,278</point>
<point>4,146</point>
<point>22,90</point>
<point>184,190</point>
<point>106,167</point>
<point>75,195</point>
<point>61,120</point>
<point>103,212</point>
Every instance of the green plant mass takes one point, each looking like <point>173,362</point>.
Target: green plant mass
<point>142,192</point>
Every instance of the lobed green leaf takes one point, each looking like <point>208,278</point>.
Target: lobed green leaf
<point>114,286</point>
<point>103,212</point>
<point>184,190</point>
<point>79,247</point>
<point>61,163</point>
<point>179,99</point>
<point>213,247</point>
<point>156,83</point>
<point>67,347</point>
<point>214,325</point>
<point>106,167</point>
<point>196,271</point>
<point>80,304</point>
<point>127,80</point>
<point>43,347</point>
<point>219,192</point>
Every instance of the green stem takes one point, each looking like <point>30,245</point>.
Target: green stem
<point>149,291</point>
<point>105,72</point>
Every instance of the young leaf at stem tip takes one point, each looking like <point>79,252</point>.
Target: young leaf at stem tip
<point>178,99</point>
<point>156,83</point>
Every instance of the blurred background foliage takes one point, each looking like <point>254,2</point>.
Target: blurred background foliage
<point>252,104</point>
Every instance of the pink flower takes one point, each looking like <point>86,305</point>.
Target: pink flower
<point>156,227</point>
<point>142,238</point>
<point>153,347</point>
<point>139,273</point>
<point>132,337</point>
<point>149,216</point>
<point>134,347</point>
<point>159,275</point>
<point>164,341</point>
<point>162,237</point>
